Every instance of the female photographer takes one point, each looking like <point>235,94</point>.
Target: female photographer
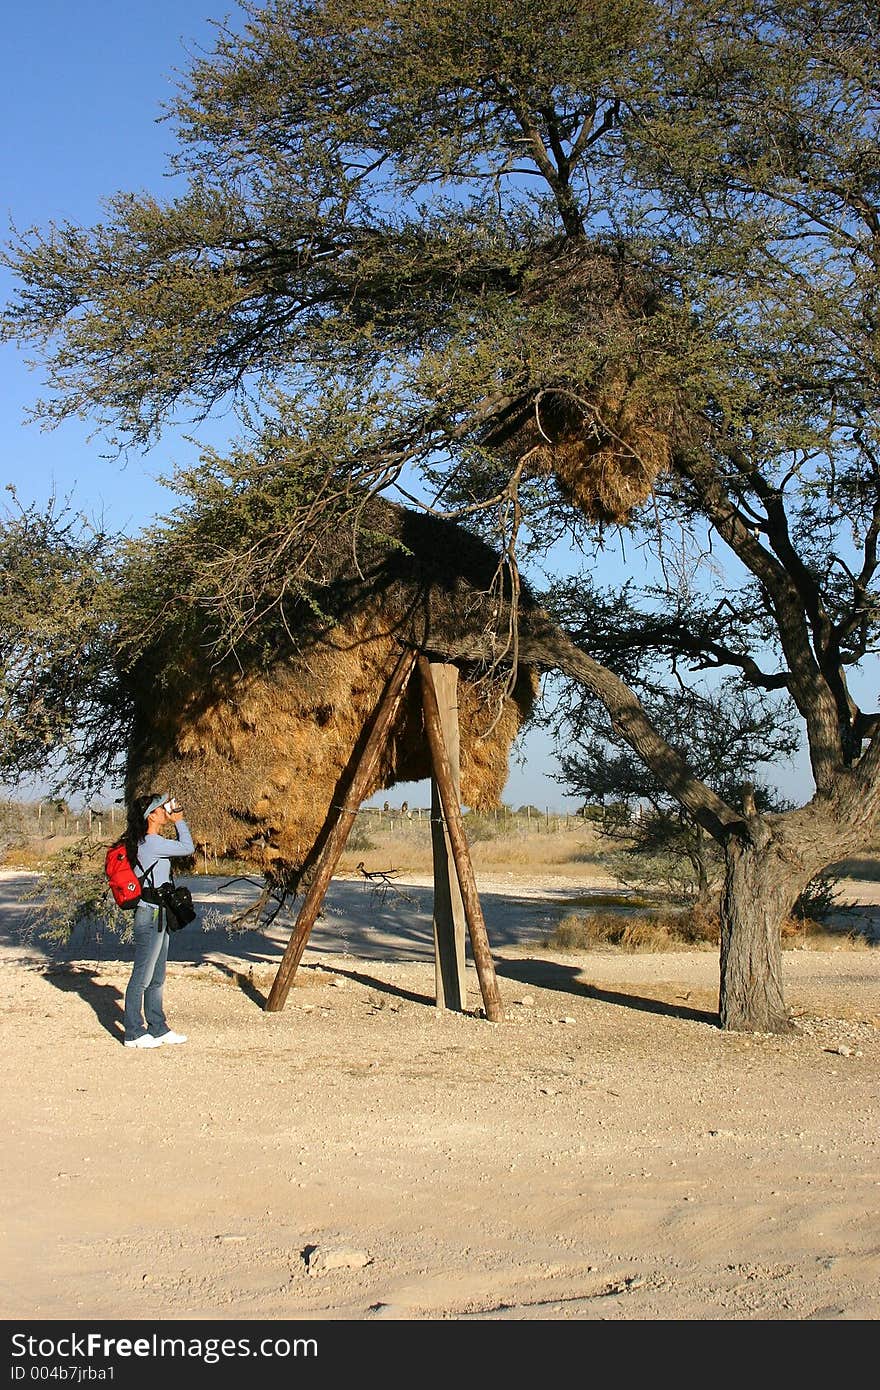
<point>149,852</point>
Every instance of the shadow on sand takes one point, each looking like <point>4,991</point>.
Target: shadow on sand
<point>545,974</point>
<point>106,1000</point>
<point>352,929</point>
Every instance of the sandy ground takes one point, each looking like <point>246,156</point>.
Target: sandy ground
<point>604,1153</point>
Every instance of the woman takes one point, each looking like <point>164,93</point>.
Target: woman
<point>148,849</point>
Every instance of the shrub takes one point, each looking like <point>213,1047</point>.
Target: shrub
<point>477,827</point>
<point>695,927</point>
<point>359,837</point>
<point>656,931</point>
<point>72,892</point>
<point>635,932</point>
<point>820,899</point>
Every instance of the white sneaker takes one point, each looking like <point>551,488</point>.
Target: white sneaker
<point>170,1037</point>
<point>145,1040</point>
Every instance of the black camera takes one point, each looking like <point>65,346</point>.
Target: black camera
<point>178,904</point>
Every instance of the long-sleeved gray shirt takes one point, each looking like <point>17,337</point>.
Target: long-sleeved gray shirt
<point>157,850</point>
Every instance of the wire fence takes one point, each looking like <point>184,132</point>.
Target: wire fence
<point>51,819</point>
<point>503,818</point>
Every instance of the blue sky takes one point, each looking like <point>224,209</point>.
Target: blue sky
<point>81,95</point>
<point>82,89</point>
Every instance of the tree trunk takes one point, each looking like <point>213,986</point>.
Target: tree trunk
<point>759,890</point>
<point>696,853</point>
<point>703,892</point>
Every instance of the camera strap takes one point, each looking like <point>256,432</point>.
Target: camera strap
<point>150,894</point>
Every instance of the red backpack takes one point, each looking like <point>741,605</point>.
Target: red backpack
<point>124,882</point>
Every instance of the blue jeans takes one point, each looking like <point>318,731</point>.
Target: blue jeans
<point>143,996</point>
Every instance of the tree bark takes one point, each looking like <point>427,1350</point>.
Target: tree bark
<point>758,894</point>
<point>699,866</point>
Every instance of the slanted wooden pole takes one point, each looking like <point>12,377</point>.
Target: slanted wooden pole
<point>327,861</point>
<point>449,915</point>
<point>461,854</point>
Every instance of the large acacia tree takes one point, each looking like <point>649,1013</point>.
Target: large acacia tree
<point>375,197</point>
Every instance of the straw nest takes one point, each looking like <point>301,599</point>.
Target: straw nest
<point>606,438</point>
<point>260,756</point>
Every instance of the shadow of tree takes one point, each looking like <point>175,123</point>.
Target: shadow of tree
<point>868,869</point>
<point>244,980</point>
<point>383,986</point>
<point>553,975</point>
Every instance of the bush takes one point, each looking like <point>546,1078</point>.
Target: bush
<point>695,927</point>
<point>820,899</point>
<point>73,892</point>
<point>477,827</point>
<point>358,837</point>
<point>662,931</point>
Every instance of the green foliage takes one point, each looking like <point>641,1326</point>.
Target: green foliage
<point>682,873</point>
<point>12,829</point>
<point>481,827</point>
<point>61,707</point>
<point>72,893</point>
<point>359,837</point>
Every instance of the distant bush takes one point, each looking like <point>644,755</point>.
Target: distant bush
<point>658,931</point>
<point>359,837</point>
<point>479,827</point>
<point>694,927</point>
<point>821,899</point>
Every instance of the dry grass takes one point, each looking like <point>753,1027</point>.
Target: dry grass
<point>635,931</point>
<point>690,929</point>
<point>407,846</point>
<point>609,465</point>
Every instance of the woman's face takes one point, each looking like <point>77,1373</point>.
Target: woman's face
<point>157,819</point>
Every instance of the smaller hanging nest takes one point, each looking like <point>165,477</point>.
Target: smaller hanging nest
<point>261,757</point>
<point>606,441</point>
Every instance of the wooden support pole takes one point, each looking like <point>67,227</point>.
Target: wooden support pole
<point>461,854</point>
<point>450,922</point>
<point>376,740</point>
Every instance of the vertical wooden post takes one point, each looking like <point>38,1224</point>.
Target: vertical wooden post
<point>458,840</point>
<point>376,740</point>
<point>449,914</point>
